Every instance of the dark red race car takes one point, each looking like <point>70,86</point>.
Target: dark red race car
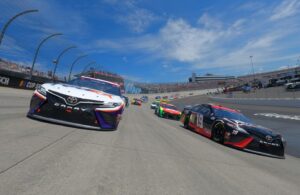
<point>230,127</point>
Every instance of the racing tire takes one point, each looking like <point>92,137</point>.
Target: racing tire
<point>186,123</point>
<point>218,133</point>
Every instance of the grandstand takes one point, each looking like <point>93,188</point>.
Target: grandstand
<point>14,67</point>
<point>209,77</point>
<point>175,87</point>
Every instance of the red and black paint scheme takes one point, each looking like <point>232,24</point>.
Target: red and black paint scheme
<point>230,127</point>
<point>77,105</point>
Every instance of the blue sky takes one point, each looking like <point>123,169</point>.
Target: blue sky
<point>155,40</point>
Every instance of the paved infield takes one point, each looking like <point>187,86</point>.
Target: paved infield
<point>146,155</point>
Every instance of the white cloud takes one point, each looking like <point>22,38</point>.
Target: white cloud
<point>177,40</point>
<point>180,41</point>
<point>209,22</point>
<point>214,44</point>
<point>138,19</point>
<point>285,9</point>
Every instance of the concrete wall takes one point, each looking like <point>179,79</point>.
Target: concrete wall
<point>181,94</point>
<point>282,102</point>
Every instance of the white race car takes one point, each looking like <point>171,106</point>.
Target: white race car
<point>83,102</point>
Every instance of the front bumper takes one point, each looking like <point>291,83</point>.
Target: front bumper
<point>253,144</point>
<point>171,115</point>
<point>90,115</point>
<point>52,120</point>
<point>153,107</point>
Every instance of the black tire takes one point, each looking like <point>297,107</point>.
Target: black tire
<point>186,123</point>
<point>218,133</point>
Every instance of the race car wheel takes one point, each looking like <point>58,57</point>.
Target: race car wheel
<point>186,123</point>
<point>218,133</point>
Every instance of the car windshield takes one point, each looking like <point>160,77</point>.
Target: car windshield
<point>231,115</point>
<point>97,84</point>
<point>169,106</point>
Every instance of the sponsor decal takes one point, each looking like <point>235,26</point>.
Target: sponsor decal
<point>4,80</point>
<point>279,116</point>
<point>268,143</point>
<point>235,132</point>
<point>69,108</point>
<point>30,85</point>
<point>269,138</point>
<point>27,84</point>
<point>21,84</point>
<point>72,100</point>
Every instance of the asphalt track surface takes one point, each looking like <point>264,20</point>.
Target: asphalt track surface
<point>146,155</point>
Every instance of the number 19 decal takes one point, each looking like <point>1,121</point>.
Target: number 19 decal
<point>200,120</point>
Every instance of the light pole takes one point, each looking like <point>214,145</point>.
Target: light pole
<point>12,19</point>
<point>38,49</point>
<point>252,68</point>
<point>56,62</point>
<point>75,61</point>
<point>86,66</point>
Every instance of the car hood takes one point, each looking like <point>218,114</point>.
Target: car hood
<point>171,111</point>
<point>82,92</point>
<point>257,130</point>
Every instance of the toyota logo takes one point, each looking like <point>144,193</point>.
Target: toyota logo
<point>72,100</point>
<point>269,138</point>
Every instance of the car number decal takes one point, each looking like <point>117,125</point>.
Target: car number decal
<point>200,120</point>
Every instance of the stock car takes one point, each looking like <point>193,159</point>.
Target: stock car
<point>154,105</point>
<point>136,101</point>
<point>230,127</point>
<point>126,100</point>
<point>83,102</point>
<point>167,111</point>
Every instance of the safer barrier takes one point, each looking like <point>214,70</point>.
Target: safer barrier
<point>281,102</point>
<point>19,80</point>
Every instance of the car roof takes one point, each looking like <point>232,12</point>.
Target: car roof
<point>167,104</point>
<point>220,107</point>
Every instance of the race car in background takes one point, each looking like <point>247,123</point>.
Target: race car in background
<point>144,99</point>
<point>83,102</point>
<point>231,127</point>
<point>154,105</point>
<point>136,101</point>
<point>168,111</point>
<point>126,100</point>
